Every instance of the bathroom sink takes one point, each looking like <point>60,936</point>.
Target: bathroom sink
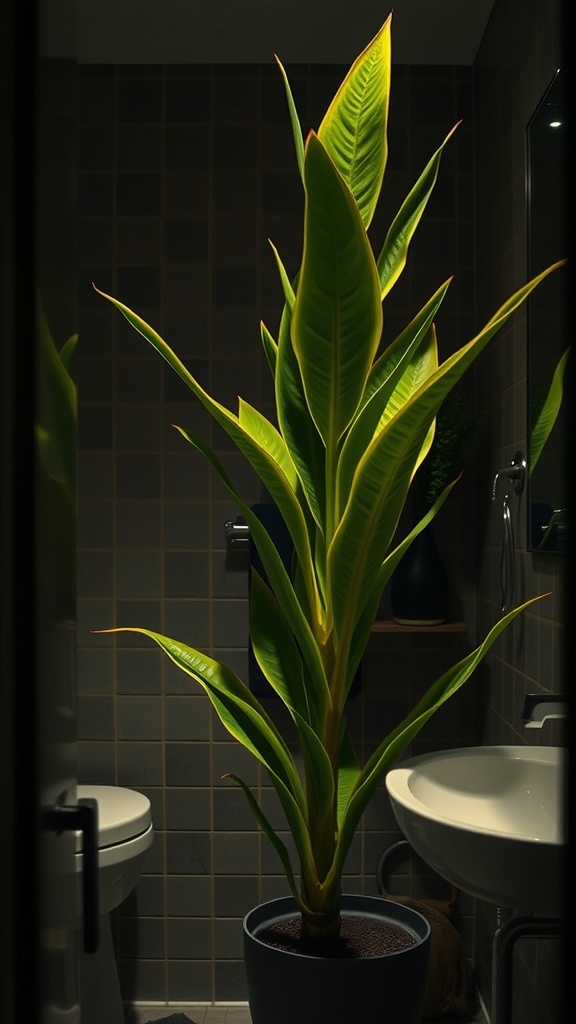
<point>489,820</point>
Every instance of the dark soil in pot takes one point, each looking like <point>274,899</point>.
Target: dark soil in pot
<point>359,937</point>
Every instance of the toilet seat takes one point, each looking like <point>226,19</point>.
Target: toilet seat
<point>125,834</point>
<point>123,815</point>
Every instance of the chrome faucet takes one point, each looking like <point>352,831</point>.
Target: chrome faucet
<point>540,706</point>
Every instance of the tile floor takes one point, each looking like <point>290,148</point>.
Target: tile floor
<point>235,1015</point>
<point>198,1014</point>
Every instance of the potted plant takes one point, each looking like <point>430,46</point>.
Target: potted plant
<point>353,425</point>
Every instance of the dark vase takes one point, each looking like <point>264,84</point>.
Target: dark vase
<point>419,588</point>
<point>287,987</point>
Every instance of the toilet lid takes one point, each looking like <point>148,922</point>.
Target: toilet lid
<point>122,813</point>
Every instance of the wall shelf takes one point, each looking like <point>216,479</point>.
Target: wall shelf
<point>389,626</point>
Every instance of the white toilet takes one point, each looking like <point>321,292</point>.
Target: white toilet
<point>125,834</point>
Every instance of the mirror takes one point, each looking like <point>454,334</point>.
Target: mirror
<point>546,312</point>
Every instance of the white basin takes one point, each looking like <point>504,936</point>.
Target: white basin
<point>489,820</point>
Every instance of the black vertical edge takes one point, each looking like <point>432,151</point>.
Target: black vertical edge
<point>19,919</point>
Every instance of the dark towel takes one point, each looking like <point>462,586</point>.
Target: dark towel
<point>447,983</point>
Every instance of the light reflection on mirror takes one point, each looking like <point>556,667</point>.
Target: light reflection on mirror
<point>546,312</point>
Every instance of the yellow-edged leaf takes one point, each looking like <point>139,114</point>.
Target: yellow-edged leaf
<point>355,126</point>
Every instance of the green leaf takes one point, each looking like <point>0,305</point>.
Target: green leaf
<point>348,774</point>
<point>66,358</point>
<point>262,448</point>
<point>354,128</point>
<point>384,472</point>
<point>274,568</point>
<point>238,709</point>
<point>294,119</point>
<point>275,648</point>
<point>245,719</point>
<point>393,393</point>
<point>57,413</point>
<point>270,347</point>
<point>267,439</point>
<point>392,259</point>
<point>279,658</point>
<point>321,797</point>
<point>277,843</point>
<point>369,607</point>
<point>337,318</point>
<point>285,280</point>
<point>388,751</point>
<point>390,365</point>
<point>298,429</point>
<point>548,414</point>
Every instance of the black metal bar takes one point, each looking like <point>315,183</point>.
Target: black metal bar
<point>82,817</point>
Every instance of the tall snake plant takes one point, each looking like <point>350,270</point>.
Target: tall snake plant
<point>354,421</point>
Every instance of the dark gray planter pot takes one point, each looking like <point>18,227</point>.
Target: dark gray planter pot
<point>419,587</point>
<point>289,988</point>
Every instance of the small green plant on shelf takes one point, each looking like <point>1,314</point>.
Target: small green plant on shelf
<point>447,455</point>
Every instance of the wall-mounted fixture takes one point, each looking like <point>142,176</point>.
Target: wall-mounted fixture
<point>540,706</point>
<point>515,475</point>
<point>237,537</point>
<point>237,534</point>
